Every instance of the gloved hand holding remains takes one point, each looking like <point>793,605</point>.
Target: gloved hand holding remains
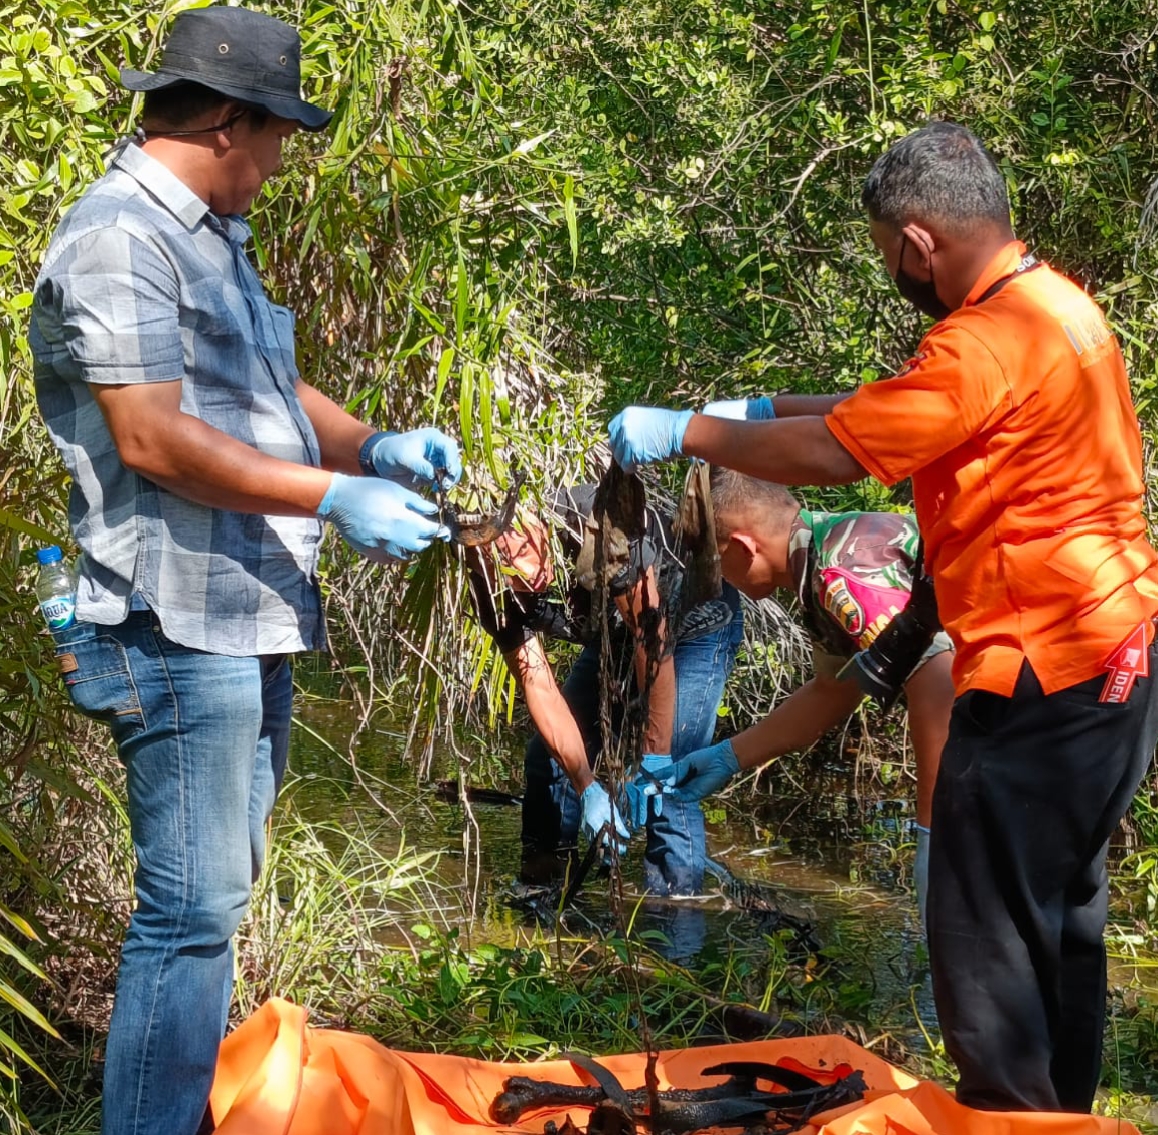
<point>638,803</point>
<point>596,811</point>
<point>415,457</point>
<point>742,409</point>
<point>380,519</point>
<point>699,774</point>
<point>643,434</point>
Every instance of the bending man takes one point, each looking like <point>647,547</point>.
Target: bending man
<point>852,572</point>
<point>562,795</point>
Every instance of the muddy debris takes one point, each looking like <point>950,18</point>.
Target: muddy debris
<point>738,1102</point>
<point>476,529</point>
<point>617,522</point>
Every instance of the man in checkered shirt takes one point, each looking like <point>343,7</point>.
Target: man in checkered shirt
<point>203,467</point>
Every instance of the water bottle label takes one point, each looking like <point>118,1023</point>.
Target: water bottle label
<point>59,613</point>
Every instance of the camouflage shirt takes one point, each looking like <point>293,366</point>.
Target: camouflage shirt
<point>853,572</point>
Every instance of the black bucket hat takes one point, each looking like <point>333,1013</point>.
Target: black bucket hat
<point>239,53</point>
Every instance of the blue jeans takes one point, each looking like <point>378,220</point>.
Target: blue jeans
<point>675,854</point>
<point>204,740</point>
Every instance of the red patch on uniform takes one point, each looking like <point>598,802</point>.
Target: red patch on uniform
<point>1127,664</point>
<point>839,601</point>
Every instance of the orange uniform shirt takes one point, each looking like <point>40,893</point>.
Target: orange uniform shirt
<point>1015,422</point>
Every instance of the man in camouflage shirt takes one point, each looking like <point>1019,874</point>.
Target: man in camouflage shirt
<point>852,573</point>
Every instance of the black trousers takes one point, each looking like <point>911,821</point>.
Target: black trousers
<point>1030,789</point>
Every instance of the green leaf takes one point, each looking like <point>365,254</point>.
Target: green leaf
<point>310,233</point>
<point>527,1040</point>
<point>25,1008</point>
<point>445,362</point>
<point>21,923</point>
<point>58,779</point>
<point>484,415</point>
<point>9,1044</point>
<point>82,102</point>
<point>502,394</point>
<point>21,958</point>
<point>462,296</point>
<point>466,409</point>
<point>26,528</point>
<point>571,215</point>
<point>529,144</point>
<point>428,315</point>
<point>8,837</point>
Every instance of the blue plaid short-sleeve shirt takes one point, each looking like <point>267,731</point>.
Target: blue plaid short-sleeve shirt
<point>142,283</point>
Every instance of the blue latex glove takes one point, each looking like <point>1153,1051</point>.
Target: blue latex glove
<point>633,805</point>
<point>380,519</point>
<point>638,802</point>
<point>643,434</point>
<point>742,409</point>
<point>702,773</point>
<point>655,765</point>
<point>415,456</point>
<point>921,871</point>
<point>596,811</point>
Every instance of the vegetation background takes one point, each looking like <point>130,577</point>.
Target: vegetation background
<point>524,216</point>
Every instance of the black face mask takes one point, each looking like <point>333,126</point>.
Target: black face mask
<point>922,294</point>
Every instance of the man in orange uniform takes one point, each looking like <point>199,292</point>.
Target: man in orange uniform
<point>1014,421</point>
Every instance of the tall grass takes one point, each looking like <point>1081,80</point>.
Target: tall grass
<point>329,903</point>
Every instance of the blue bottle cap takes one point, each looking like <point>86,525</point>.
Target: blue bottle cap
<point>50,555</point>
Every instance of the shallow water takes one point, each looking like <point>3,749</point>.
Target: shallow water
<point>829,856</point>
<point>837,861</point>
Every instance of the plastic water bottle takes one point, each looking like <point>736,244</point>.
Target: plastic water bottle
<point>56,589</point>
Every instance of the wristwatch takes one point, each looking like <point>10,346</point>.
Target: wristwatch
<point>367,449</point>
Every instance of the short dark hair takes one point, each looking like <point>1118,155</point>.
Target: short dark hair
<point>180,104</point>
<point>940,173</point>
<point>736,495</point>
<point>177,106</point>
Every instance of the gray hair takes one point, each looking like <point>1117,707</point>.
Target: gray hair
<point>736,497</point>
<point>940,173</point>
